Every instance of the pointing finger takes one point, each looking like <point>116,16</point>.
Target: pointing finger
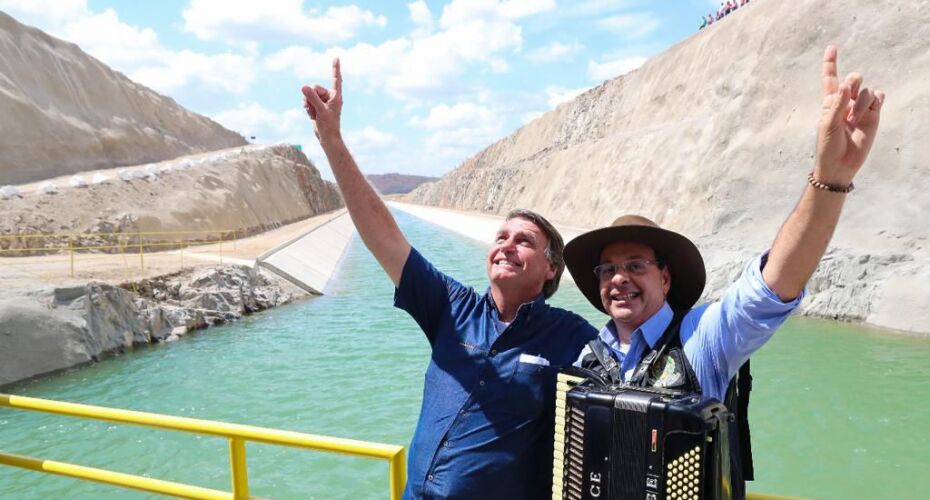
<point>837,109</point>
<point>830,82</point>
<point>337,77</point>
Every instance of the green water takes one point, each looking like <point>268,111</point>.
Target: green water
<point>837,411</point>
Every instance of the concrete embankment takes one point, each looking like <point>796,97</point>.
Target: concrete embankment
<point>45,329</point>
<point>847,286</point>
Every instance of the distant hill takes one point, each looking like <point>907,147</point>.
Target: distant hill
<point>398,183</point>
<point>62,112</point>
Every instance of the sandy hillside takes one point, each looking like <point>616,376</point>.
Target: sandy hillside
<point>241,190</point>
<point>714,137</point>
<point>62,111</point>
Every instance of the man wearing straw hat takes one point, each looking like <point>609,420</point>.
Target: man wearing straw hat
<point>647,279</point>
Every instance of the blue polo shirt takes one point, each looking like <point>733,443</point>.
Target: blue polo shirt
<point>487,418</point>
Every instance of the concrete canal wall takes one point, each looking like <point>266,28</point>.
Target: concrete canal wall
<point>46,329</point>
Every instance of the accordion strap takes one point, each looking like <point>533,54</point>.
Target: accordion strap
<point>671,333</point>
<point>608,363</point>
<point>743,387</point>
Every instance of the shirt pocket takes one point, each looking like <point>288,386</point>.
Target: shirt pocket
<point>530,389</point>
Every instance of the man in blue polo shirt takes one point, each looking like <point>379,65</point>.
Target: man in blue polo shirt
<point>485,427</point>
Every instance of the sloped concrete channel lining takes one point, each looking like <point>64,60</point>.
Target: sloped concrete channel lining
<point>310,260</point>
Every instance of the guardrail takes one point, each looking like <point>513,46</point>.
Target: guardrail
<point>237,435</point>
<point>22,248</point>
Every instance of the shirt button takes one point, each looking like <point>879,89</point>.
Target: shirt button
<point>447,444</point>
<point>493,353</point>
<point>429,477</point>
<point>481,383</point>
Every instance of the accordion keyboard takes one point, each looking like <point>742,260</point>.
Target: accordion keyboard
<point>568,453</point>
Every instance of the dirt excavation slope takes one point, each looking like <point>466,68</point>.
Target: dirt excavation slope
<point>62,111</point>
<point>714,138</point>
<point>243,191</point>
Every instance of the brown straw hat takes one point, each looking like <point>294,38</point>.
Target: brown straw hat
<point>677,252</point>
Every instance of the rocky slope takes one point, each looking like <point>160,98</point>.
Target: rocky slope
<point>64,112</point>
<point>50,329</point>
<point>242,190</point>
<point>714,137</point>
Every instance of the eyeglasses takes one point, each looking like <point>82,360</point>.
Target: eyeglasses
<point>635,267</point>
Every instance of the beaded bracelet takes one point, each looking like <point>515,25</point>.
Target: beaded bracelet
<point>829,187</point>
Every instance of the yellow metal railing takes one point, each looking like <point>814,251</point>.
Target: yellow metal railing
<point>237,435</point>
<point>43,245</point>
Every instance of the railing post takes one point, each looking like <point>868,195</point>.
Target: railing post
<point>71,254</point>
<point>398,472</point>
<point>141,254</point>
<point>239,468</point>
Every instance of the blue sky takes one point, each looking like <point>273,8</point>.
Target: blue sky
<point>427,83</point>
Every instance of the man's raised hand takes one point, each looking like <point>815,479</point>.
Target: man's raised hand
<point>848,124</point>
<point>324,106</point>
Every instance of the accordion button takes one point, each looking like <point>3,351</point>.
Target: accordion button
<point>481,383</point>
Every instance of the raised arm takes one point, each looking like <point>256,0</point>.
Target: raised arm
<point>848,125</point>
<point>371,217</point>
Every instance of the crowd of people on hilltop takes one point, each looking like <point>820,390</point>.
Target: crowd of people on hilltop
<point>725,9</point>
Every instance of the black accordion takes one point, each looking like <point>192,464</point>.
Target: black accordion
<point>622,442</point>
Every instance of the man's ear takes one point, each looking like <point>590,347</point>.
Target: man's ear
<point>551,273</point>
<point>666,280</point>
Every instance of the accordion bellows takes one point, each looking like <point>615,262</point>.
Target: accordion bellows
<point>617,443</point>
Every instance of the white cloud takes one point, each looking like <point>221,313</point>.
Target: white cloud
<point>445,117</point>
<point>613,68</point>
<point>465,11</point>
<point>631,26</point>
<point>44,14</point>
<point>422,18</point>
<point>267,126</point>
<point>459,130</point>
<point>413,68</point>
<point>363,63</point>
<point>553,52</point>
<point>244,20</point>
<point>175,71</point>
<point>593,7</point>
<point>369,138</point>
<point>369,145</point>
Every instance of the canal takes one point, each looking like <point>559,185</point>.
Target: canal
<point>838,411</point>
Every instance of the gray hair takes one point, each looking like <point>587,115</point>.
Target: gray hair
<point>553,250</point>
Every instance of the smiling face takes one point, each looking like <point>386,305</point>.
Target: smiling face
<point>630,299</point>
<point>517,262</point>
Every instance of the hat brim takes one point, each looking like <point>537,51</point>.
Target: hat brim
<point>682,257</point>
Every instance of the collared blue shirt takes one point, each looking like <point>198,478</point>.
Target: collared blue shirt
<point>485,428</point>
<point>718,337</point>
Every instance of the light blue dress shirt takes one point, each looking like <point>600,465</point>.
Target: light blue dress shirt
<point>718,337</point>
